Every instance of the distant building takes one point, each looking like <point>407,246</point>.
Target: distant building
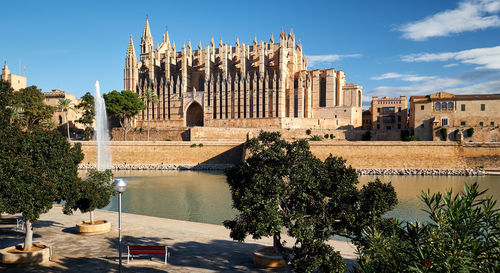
<point>52,98</point>
<point>444,109</point>
<point>389,113</point>
<point>367,120</point>
<point>260,85</point>
<point>16,81</point>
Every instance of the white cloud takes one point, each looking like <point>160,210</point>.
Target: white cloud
<point>450,65</point>
<point>487,57</point>
<point>318,59</point>
<point>403,77</point>
<point>470,15</point>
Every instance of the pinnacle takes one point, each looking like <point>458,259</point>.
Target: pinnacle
<point>147,30</point>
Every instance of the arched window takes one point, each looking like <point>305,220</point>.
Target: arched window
<point>438,106</point>
<point>60,119</point>
<point>322,92</point>
<point>444,105</point>
<point>450,105</point>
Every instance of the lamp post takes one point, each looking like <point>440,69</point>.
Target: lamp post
<point>119,185</point>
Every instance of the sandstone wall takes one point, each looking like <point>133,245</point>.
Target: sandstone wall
<point>365,155</point>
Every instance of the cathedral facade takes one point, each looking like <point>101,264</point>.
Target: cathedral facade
<point>260,85</point>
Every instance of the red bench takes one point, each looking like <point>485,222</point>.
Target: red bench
<point>141,249</point>
<point>13,221</point>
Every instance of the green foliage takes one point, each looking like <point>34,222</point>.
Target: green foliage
<point>444,133</point>
<point>316,138</point>
<point>405,135</point>
<point>124,106</point>
<point>308,132</point>
<point>367,136</point>
<point>200,145</point>
<point>92,193</point>
<point>332,136</point>
<point>38,168</point>
<point>470,132</point>
<point>88,114</point>
<point>35,111</point>
<point>463,235</point>
<point>326,136</point>
<point>193,145</point>
<point>283,186</point>
<point>168,139</point>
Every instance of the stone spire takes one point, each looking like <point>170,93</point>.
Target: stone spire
<point>199,46</point>
<point>166,38</point>
<point>131,49</point>
<point>254,40</point>
<point>237,41</point>
<point>271,40</point>
<point>146,39</point>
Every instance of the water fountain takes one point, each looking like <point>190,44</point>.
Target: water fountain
<point>101,132</point>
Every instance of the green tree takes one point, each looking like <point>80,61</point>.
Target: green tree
<point>65,106</point>
<point>463,235</point>
<point>124,106</point>
<point>35,111</point>
<point>92,193</point>
<point>150,97</point>
<point>87,119</point>
<point>283,185</point>
<point>37,168</point>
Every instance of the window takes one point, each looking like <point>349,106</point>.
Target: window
<point>378,110</point>
<point>322,92</point>
<point>388,119</point>
<point>462,123</point>
<point>444,106</point>
<point>444,122</point>
<point>462,107</point>
<point>421,107</point>
<point>60,119</point>
<point>481,123</point>
<point>437,106</point>
<point>388,127</point>
<point>399,109</point>
<point>450,105</point>
<point>399,126</point>
<point>388,109</point>
<point>399,118</point>
<point>378,126</point>
<point>492,123</point>
<point>483,107</point>
<point>378,118</point>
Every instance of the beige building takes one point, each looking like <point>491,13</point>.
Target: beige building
<point>389,113</point>
<point>265,84</point>
<point>16,81</point>
<point>59,118</point>
<point>444,109</point>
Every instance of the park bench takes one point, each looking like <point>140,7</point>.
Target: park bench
<point>142,249</point>
<point>13,221</point>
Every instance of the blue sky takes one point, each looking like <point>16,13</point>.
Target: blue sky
<point>388,47</point>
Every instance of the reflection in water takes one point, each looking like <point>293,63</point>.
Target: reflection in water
<point>205,197</point>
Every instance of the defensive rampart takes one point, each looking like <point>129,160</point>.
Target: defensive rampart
<point>359,154</point>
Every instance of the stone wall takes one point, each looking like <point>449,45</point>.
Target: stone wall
<point>138,134</point>
<point>363,155</point>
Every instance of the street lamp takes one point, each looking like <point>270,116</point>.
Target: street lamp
<point>120,186</point>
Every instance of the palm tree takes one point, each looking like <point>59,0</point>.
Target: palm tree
<point>150,96</point>
<point>64,105</point>
<point>16,114</point>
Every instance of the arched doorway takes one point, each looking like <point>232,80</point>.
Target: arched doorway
<point>194,115</point>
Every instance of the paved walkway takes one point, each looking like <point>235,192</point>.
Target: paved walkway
<point>195,247</point>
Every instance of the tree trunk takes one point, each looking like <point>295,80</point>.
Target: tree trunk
<point>148,128</point>
<point>67,125</point>
<point>28,239</point>
<point>92,217</point>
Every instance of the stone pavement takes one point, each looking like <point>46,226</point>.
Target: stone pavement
<point>194,247</point>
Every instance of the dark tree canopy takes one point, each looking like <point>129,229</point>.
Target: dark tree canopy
<point>31,101</point>
<point>124,106</point>
<point>283,185</point>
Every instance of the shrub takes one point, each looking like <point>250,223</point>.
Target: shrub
<point>200,145</point>
<point>326,136</point>
<point>367,136</point>
<point>463,235</point>
<point>470,132</point>
<point>405,135</point>
<point>193,145</point>
<point>316,138</point>
<point>308,132</point>
<point>168,139</point>
<point>444,133</point>
<point>332,136</point>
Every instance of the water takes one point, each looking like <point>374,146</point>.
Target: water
<point>101,131</point>
<point>204,196</point>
